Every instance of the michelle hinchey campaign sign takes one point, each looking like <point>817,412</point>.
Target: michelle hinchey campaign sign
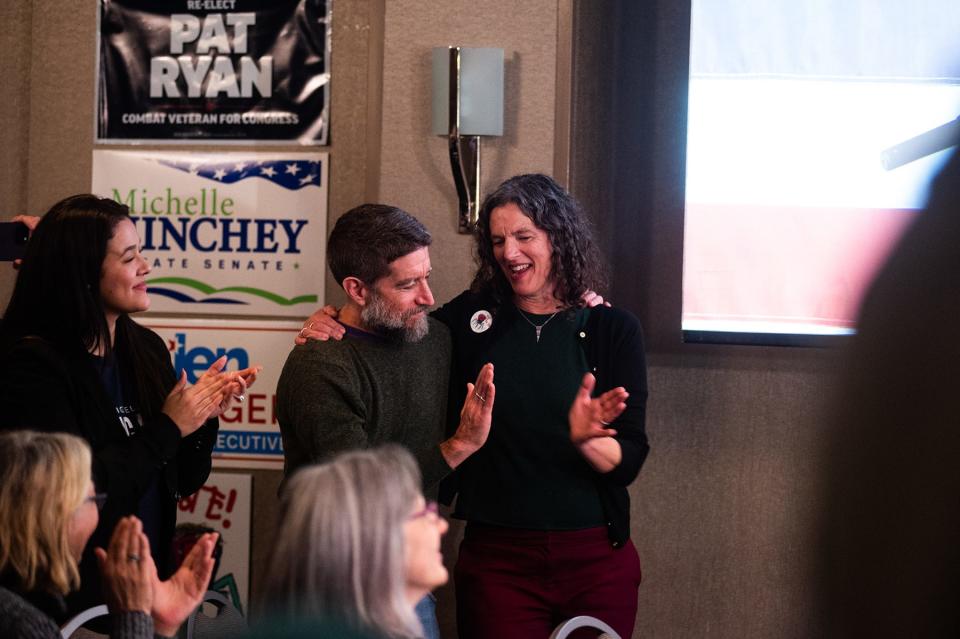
<point>225,233</point>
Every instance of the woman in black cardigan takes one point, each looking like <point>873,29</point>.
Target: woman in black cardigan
<point>545,499</point>
<point>74,361</point>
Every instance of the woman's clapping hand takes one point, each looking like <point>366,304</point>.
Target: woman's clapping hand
<point>189,406</point>
<point>590,417</point>
<point>131,583</point>
<point>127,568</point>
<point>175,598</point>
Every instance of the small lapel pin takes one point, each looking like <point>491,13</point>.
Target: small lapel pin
<point>481,321</point>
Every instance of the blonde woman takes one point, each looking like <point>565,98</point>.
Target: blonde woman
<point>48,511</point>
<point>358,544</point>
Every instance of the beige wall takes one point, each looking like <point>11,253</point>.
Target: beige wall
<point>14,118</point>
<point>722,509</point>
<point>414,167</point>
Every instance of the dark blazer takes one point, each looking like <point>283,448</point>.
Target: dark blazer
<point>46,387</point>
<point>612,342</point>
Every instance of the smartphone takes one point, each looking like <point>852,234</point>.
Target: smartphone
<point>13,240</point>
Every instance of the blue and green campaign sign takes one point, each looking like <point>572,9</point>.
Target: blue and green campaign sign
<point>225,233</point>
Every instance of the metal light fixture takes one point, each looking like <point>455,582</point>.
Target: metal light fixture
<point>467,103</point>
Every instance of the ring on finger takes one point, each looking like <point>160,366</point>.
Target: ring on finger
<point>134,557</point>
<point>604,423</point>
<point>480,397</point>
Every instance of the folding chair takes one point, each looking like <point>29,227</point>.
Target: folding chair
<point>227,623</point>
<point>567,627</point>
<point>81,618</point>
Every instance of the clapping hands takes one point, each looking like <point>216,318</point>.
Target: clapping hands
<point>127,568</point>
<point>131,583</point>
<point>189,406</point>
<point>590,417</point>
<point>175,598</point>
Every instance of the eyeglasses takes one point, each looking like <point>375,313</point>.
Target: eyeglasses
<point>99,499</point>
<point>430,508</point>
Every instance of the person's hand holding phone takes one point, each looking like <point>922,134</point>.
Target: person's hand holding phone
<point>14,236</point>
<point>13,241</point>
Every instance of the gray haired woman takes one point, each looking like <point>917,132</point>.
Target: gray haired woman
<point>357,544</point>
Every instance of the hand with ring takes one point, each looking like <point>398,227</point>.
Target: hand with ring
<point>242,380</point>
<point>322,325</point>
<point>307,327</point>
<point>475,418</point>
<point>127,568</point>
<point>591,417</point>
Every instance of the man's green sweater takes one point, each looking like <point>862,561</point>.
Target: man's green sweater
<point>365,391</point>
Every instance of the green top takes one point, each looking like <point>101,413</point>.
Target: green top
<point>529,474</point>
<point>365,391</point>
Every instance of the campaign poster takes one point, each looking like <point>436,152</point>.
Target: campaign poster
<point>213,71</point>
<point>224,505</point>
<point>249,435</point>
<point>225,233</point>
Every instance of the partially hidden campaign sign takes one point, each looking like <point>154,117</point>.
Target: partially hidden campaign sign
<point>213,70</point>
<point>222,504</point>
<point>249,435</point>
<point>226,233</point>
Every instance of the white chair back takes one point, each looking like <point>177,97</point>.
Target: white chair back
<point>74,624</point>
<point>567,627</point>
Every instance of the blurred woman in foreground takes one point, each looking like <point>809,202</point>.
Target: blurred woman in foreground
<point>887,557</point>
<point>48,511</point>
<point>357,544</point>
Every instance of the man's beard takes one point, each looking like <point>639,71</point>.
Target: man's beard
<point>379,316</point>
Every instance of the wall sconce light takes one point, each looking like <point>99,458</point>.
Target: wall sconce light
<point>467,103</point>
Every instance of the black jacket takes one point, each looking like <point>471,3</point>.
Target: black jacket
<point>45,387</point>
<point>612,342</point>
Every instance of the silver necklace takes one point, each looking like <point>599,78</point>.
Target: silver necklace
<point>537,327</point>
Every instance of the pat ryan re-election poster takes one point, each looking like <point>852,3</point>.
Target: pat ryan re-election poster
<point>213,71</point>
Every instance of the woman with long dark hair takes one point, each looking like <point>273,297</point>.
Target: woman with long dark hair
<point>74,361</point>
<point>545,499</point>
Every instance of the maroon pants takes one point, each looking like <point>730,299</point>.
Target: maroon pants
<point>522,583</point>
